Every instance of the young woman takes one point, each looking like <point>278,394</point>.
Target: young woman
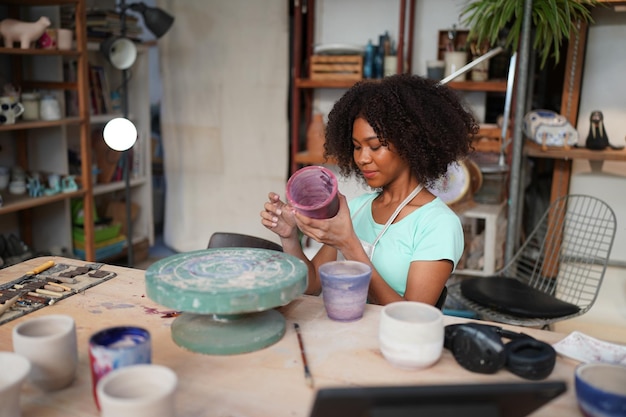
<point>399,135</point>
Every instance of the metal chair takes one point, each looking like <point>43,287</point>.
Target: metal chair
<point>557,272</point>
<point>230,240</point>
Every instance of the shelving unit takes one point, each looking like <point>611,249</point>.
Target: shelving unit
<point>488,220</point>
<point>42,146</point>
<point>302,86</point>
<point>139,114</point>
<point>46,221</point>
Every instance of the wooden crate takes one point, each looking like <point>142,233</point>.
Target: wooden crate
<point>336,67</point>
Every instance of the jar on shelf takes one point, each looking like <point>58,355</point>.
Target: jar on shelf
<point>315,137</point>
<point>30,101</point>
<point>49,108</point>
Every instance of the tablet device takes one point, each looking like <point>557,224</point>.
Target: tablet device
<point>469,400</point>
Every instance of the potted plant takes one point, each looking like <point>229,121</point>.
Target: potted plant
<point>552,22</point>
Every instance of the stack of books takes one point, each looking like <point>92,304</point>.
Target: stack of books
<point>102,24</point>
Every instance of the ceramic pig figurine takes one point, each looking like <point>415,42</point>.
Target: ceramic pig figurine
<point>23,32</point>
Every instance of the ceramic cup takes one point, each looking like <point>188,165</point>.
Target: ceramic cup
<point>344,289</point>
<point>313,191</point>
<point>15,368</point>
<point>64,39</point>
<point>411,334</point>
<point>138,391</point>
<point>49,343</point>
<point>117,347</point>
<point>454,61</point>
<point>601,389</point>
<point>435,69</point>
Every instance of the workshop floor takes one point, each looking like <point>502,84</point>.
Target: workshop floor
<point>158,251</point>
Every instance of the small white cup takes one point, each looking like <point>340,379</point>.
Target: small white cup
<point>64,39</point>
<point>411,334</point>
<point>15,368</point>
<point>138,391</point>
<point>49,343</point>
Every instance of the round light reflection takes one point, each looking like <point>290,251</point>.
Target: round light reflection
<point>120,134</point>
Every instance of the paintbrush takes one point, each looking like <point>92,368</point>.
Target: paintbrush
<point>307,373</point>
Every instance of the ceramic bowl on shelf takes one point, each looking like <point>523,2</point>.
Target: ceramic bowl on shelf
<point>17,187</point>
<point>601,389</point>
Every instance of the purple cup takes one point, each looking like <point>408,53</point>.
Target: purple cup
<point>345,286</point>
<point>313,191</point>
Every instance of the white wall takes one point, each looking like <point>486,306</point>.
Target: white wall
<point>604,89</point>
<point>224,116</point>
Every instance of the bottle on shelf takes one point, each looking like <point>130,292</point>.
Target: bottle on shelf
<point>315,138</point>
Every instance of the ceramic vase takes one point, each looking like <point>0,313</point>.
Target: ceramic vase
<point>315,135</point>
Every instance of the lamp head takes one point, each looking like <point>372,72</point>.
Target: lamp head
<point>120,134</point>
<point>156,20</point>
<point>120,52</point>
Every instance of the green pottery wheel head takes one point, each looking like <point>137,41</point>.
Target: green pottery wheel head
<point>226,280</point>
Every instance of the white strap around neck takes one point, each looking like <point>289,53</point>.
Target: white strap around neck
<point>406,201</point>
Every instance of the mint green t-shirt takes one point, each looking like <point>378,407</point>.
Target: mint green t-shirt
<point>432,232</point>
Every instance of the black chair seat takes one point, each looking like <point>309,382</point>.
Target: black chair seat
<point>509,295</point>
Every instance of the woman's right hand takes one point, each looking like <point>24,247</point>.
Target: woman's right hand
<point>279,217</point>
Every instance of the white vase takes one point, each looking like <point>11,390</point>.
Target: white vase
<point>455,60</point>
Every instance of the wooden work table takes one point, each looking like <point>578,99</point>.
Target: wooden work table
<point>268,382</point>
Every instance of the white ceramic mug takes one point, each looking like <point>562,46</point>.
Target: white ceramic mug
<point>10,110</point>
<point>15,368</point>
<point>49,343</point>
<point>138,391</point>
<point>411,334</point>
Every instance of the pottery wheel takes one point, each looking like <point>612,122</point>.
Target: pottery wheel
<point>227,296</point>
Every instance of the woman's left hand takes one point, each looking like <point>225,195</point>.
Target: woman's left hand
<point>336,231</point>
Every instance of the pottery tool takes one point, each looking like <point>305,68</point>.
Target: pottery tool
<point>38,270</point>
<point>48,293</point>
<point>307,372</point>
<point>7,304</point>
<point>64,287</point>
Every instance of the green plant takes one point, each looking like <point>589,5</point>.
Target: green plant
<point>552,22</point>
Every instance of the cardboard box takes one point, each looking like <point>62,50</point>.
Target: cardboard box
<point>116,210</point>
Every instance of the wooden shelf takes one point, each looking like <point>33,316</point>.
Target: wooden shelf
<point>37,124</point>
<point>305,159</point>
<point>308,83</point>
<point>35,51</point>
<point>38,2</point>
<point>534,150</point>
<point>494,86</point>
<point>99,189</point>
<point>12,203</point>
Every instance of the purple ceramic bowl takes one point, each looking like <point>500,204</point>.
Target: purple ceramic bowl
<point>313,191</point>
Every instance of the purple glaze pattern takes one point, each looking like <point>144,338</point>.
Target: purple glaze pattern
<point>313,192</point>
<point>344,289</point>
